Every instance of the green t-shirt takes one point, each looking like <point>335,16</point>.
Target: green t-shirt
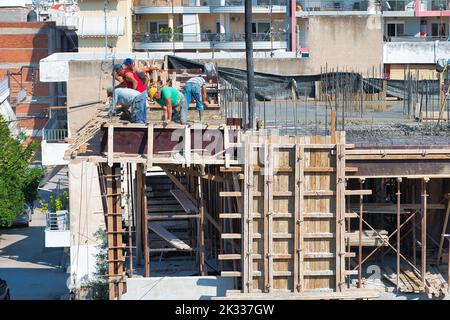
<point>169,92</point>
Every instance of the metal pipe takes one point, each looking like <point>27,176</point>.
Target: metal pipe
<point>399,180</point>
<point>424,230</point>
<point>249,60</point>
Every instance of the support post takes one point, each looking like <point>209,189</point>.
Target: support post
<point>361,182</point>
<point>399,180</point>
<point>249,60</point>
<point>424,230</point>
<point>201,230</point>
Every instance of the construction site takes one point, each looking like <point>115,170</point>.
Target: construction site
<point>341,192</point>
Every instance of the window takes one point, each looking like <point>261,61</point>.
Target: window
<point>261,27</point>
<point>218,26</point>
<point>155,26</point>
<point>438,29</point>
<point>395,29</point>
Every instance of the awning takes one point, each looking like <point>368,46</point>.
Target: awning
<point>95,26</point>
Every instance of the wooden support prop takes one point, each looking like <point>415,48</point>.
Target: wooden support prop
<point>191,197</point>
<point>424,231</point>
<point>444,228</point>
<point>110,144</point>
<point>187,146</point>
<point>399,180</point>
<point>150,146</point>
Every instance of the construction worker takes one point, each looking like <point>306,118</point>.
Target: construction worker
<point>196,87</point>
<point>128,79</point>
<point>130,99</point>
<point>143,73</point>
<point>170,99</point>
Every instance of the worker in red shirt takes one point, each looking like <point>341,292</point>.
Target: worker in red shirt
<point>128,79</point>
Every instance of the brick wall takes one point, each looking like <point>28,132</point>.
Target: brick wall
<point>25,44</point>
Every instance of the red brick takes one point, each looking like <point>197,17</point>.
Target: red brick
<point>22,55</point>
<point>31,108</point>
<point>32,123</point>
<point>34,25</point>
<point>35,41</point>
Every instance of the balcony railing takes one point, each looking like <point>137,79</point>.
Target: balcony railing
<point>58,221</point>
<point>207,37</point>
<point>56,128</point>
<point>398,5</point>
<point>205,3</point>
<point>434,5</point>
<point>316,5</point>
<point>416,39</point>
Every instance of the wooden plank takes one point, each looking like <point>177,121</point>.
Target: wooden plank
<point>226,146</point>
<point>266,212</point>
<point>187,145</point>
<point>319,273</point>
<point>230,274</point>
<point>230,194</point>
<point>231,236</point>
<point>229,257</point>
<point>270,233</point>
<point>318,215</point>
<point>110,144</point>
<point>296,215</point>
<point>443,232</point>
<point>319,235</point>
<point>358,192</point>
<point>319,193</point>
<point>249,222</point>
<point>150,145</point>
<point>184,201</point>
<point>319,255</point>
<point>168,236</point>
<point>230,215</point>
<point>300,161</point>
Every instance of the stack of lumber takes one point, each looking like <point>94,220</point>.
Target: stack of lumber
<point>408,280</point>
<point>369,238</point>
<point>411,282</point>
<point>437,286</point>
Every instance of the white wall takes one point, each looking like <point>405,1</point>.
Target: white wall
<point>426,52</point>
<point>86,217</point>
<point>53,153</point>
<point>177,288</point>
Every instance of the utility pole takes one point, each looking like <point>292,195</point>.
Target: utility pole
<point>249,60</point>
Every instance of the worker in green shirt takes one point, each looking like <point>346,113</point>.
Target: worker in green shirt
<point>170,99</point>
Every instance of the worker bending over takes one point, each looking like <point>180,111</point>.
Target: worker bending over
<point>144,73</point>
<point>196,87</point>
<point>132,101</point>
<point>128,79</point>
<point>170,99</point>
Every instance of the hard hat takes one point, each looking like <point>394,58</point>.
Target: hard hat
<point>152,91</point>
<point>128,61</point>
<point>117,67</point>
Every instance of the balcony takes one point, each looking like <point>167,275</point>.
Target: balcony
<point>416,38</point>
<point>54,135</point>
<point>207,6</point>
<point>434,5</point>
<point>415,52</point>
<point>394,8</point>
<point>211,41</point>
<point>57,231</point>
<point>317,7</point>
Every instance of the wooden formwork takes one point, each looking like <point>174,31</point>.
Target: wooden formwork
<point>292,213</point>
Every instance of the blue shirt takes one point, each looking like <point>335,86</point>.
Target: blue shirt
<point>197,80</point>
<point>125,96</point>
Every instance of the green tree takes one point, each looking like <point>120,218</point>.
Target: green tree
<point>15,186</point>
<point>99,284</point>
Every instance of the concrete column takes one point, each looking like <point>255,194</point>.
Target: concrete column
<point>222,19</point>
<point>170,21</point>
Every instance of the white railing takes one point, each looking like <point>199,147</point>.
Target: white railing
<point>4,89</point>
<point>58,221</point>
